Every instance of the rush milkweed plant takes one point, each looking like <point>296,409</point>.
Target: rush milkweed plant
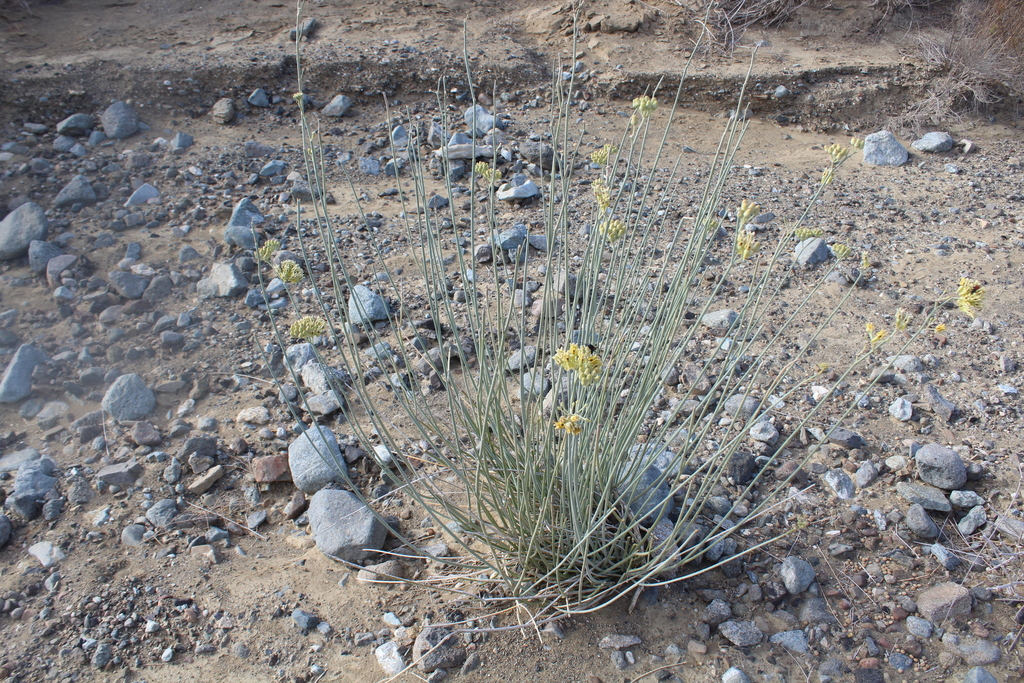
<point>544,437</point>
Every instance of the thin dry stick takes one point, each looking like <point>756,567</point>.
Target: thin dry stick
<point>226,518</point>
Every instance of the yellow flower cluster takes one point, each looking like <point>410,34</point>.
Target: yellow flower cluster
<point>484,170</point>
<point>289,271</point>
<point>747,211</point>
<point>828,175</point>
<point>267,250</point>
<point>645,105</point>
<point>875,336</point>
<point>841,251</point>
<point>970,296</point>
<point>746,246</point>
<point>807,233</point>
<point>902,320</point>
<point>601,156</point>
<point>857,143</point>
<point>581,360</point>
<point>837,153</point>
<point>571,423</point>
<point>308,327</point>
<point>612,229</point>
<point>602,193</point>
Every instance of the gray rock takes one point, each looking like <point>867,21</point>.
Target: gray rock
<point>389,656</point>
<point>239,230</point>
<point>12,461</point>
<point>846,438</point>
<point>741,633</point>
<point>480,120</point>
<point>19,228</point>
<point>133,535</point>
<point>795,641</point>
<point>979,675</point>
<point>811,252</point>
<point>320,378</point>
<point>16,383</point>
<point>720,320</point>
<point>940,467</point>
<point>883,149</point>
<point>965,499</point>
<point>740,407</point>
<point>972,520</point>
<point>716,612</point>
<point>947,559</point>
<point>918,627</point>
<point>162,512</point>
<point>6,531</point>
<point>305,621</point>
<point>933,142</point>
<point>47,553</point>
<point>921,523</point>
<point>40,253</point>
<point>128,398</point>
<point>734,675</point>
<point>122,473</point>
<point>901,409</point>
<point>326,403</point>
<point>258,98</point>
<point>765,432</point>
<point>816,611</point>
<point>77,191</point>
<point>534,383</point>
<point>900,661</point>
<point>343,526</point>
<point>337,107</point>
<point>974,651</point>
<point>928,497</point>
<point>35,479</point>
<point>866,474</point>
<point>315,460</point>
<point>523,359</point>
<point>511,238</point>
<point>179,143</point>
<point>128,285</point>
<point>944,601</point>
<point>366,306</point>
<point>76,125</point>
<point>369,166</point>
<point>223,111</point>
<point>907,363</point>
<point>940,405</point>
<point>519,187</point>
<point>119,121</point>
<point>840,482</point>
<point>298,355</point>
<point>142,194</point>
<point>437,648</point>
<point>225,280</point>
<point>797,574</point>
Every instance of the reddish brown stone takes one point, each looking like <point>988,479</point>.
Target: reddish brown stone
<point>296,506</point>
<point>145,434</point>
<point>271,468</point>
<point>870,663</point>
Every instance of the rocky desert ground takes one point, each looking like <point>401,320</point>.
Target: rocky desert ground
<point>161,514</point>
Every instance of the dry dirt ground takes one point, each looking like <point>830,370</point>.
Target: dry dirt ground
<point>847,68</point>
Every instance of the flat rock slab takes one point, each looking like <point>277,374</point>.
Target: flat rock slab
<point>944,601</point>
<point>343,526</point>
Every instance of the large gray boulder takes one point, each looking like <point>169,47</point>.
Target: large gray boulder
<point>128,398</point>
<point>344,527</point>
<point>16,383</point>
<point>35,478</point>
<point>315,460</point>
<point>366,306</point>
<point>225,280</point>
<point>883,149</point>
<point>239,230</point>
<point>119,121</point>
<point>77,191</point>
<point>17,230</point>
<point>941,467</point>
